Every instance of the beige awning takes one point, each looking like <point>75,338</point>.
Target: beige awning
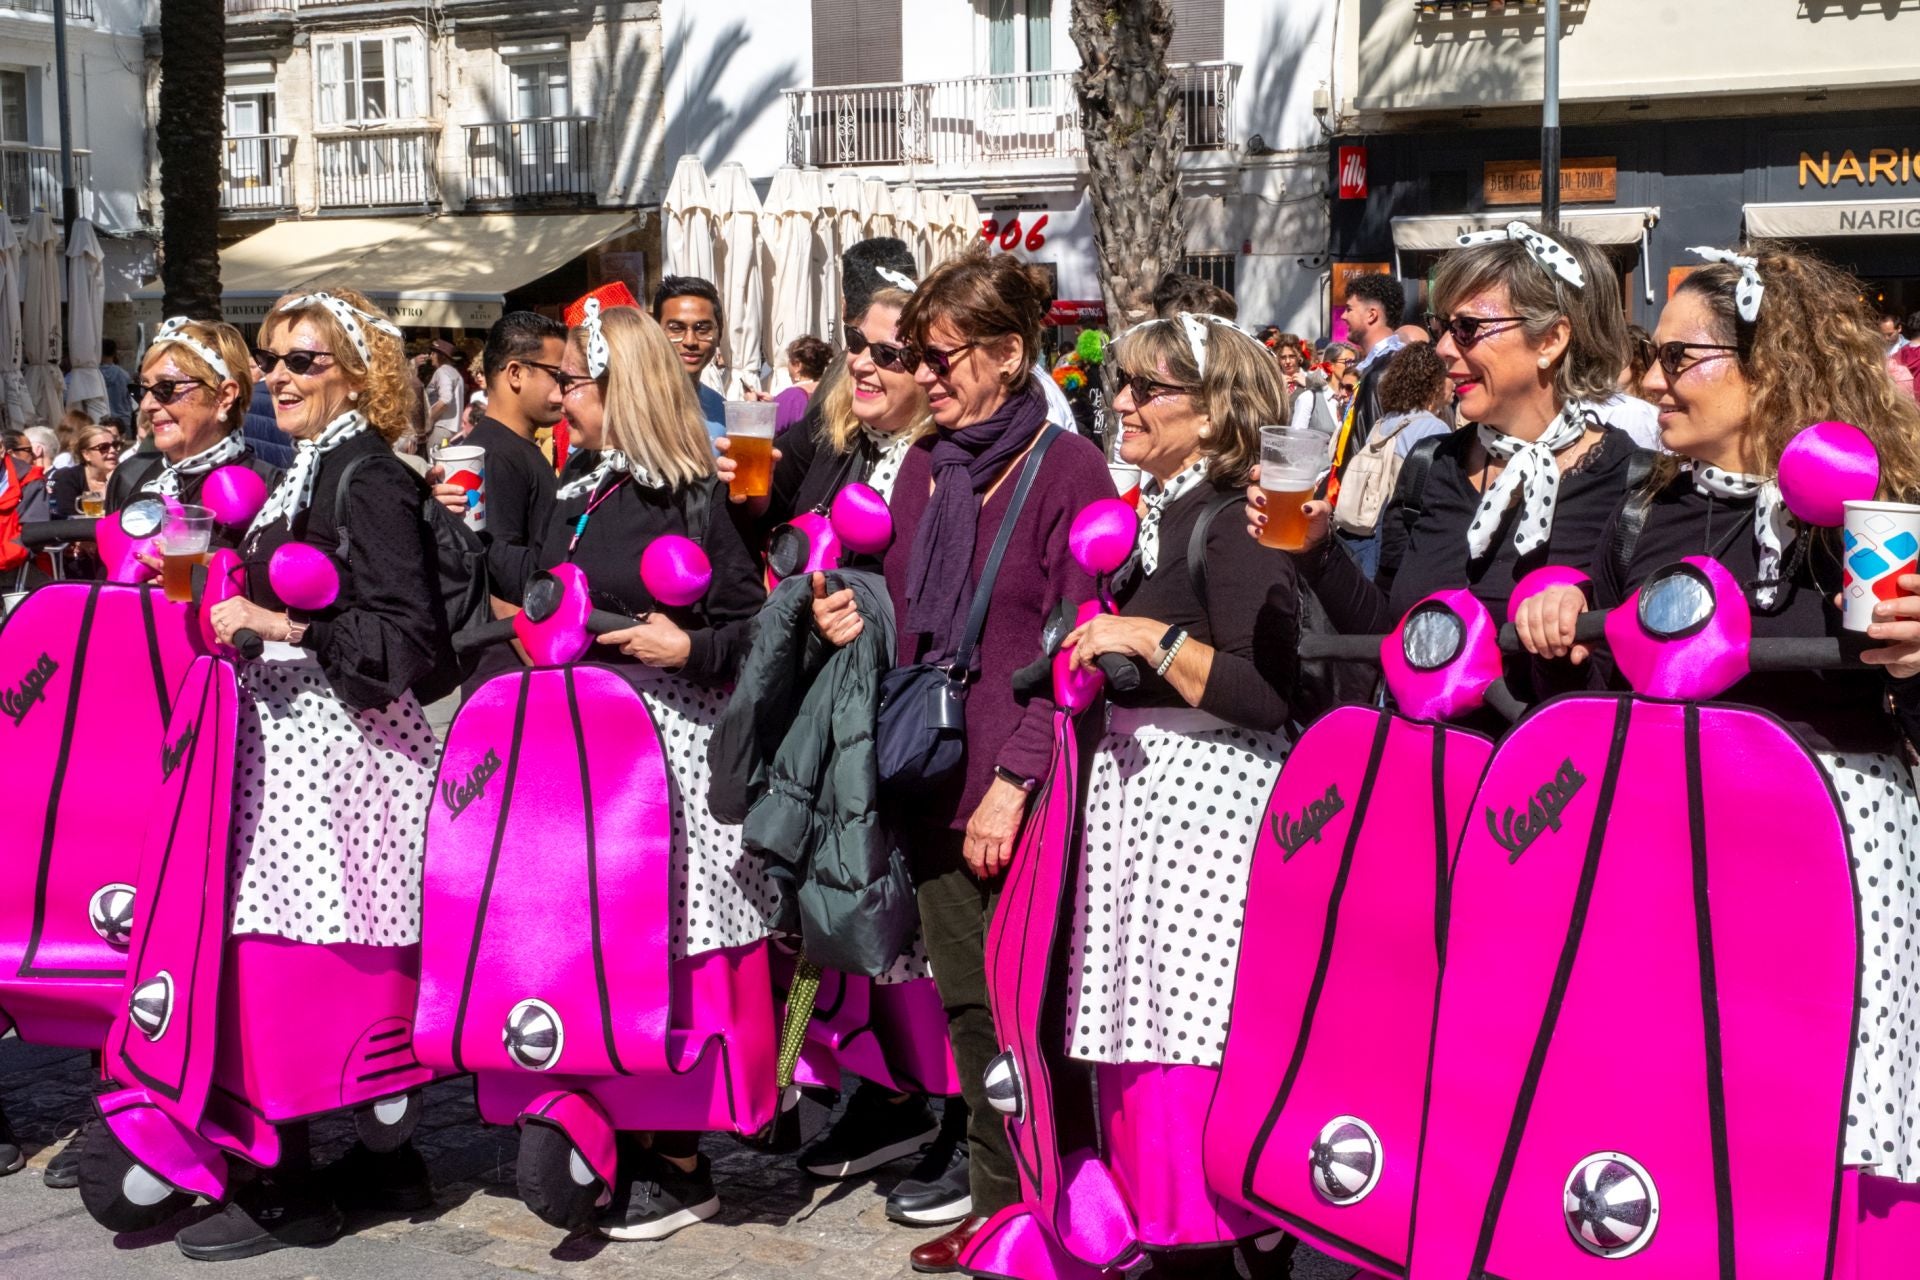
<point>451,270</point>
<point>1598,226</point>
<point>1809,219</point>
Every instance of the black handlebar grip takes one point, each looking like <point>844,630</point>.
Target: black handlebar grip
<point>1590,629</point>
<point>481,636</point>
<point>248,644</point>
<point>602,622</point>
<point>47,533</point>
<point>1810,653</point>
<point>1122,675</point>
<point>1320,646</point>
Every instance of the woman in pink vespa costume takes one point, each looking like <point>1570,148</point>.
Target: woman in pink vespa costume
<point>335,764</point>
<point>1752,348</point>
<point>1180,780</point>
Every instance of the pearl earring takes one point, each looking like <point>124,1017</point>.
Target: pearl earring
<point>355,395</point>
<point>223,415</point>
<point>1544,362</point>
<point>1206,433</point>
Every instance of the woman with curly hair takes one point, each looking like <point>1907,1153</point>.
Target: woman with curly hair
<point>1752,348</point>
<point>334,769</point>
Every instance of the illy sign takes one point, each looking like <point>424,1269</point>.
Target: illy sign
<point>1353,173</point>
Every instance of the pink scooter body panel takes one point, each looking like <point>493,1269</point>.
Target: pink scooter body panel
<point>894,1034</point>
<point>87,673</point>
<point>164,1038</point>
<point>1630,878</point>
<point>514,846</point>
<point>1341,947</point>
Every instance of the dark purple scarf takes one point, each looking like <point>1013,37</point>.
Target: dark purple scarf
<point>965,464</point>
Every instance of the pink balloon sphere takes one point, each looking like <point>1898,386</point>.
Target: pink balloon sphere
<point>234,495</point>
<point>675,571</point>
<point>303,577</point>
<point>1102,535</point>
<point>1825,466</point>
<point>861,517</point>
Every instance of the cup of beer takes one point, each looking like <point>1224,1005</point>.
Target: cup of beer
<point>466,466</point>
<point>184,541</point>
<point>1881,542</point>
<point>93,505</point>
<point>750,445</point>
<point>1291,460</point>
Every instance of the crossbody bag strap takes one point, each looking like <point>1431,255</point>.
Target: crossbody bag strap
<point>1197,544</point>
<point>983,591</point>
<point>344,548</point>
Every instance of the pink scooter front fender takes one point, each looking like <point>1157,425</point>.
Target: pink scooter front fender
<point>168,1149</point>
<point>586,1125</point>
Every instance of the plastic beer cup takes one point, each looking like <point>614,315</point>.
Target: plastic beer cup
<point>750,445</point>
<point>1291,460</point>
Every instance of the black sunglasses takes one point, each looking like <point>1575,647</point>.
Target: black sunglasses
<point>1145,388</point>
<point>299,363</point>
<point>941,362</point>
<point>1672,356</point>
<point>561,377</point>
<point>1468,330</point>
<point>110,446</point>
<point>163,390</point>
<point>889,356</point>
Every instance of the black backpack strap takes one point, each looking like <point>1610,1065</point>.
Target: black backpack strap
<point>1632,520</point>
<point>983,590</point>
<point>344,550</point>
<point>1411,492</point>
<point>1197,545</point>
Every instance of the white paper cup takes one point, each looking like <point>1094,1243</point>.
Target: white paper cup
<point>1882,541</point>
<point>466,466</point>
<point>1126,480</point>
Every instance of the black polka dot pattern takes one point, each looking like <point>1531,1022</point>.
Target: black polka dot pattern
<point>330,811</point>
<point>1552,256</point>
<point>1883,828</point>
<point>1172,813</point>
<point>1532,476</point>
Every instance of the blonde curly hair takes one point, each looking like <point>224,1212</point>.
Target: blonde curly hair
<point>1812,355</point>
<point>385,397</point>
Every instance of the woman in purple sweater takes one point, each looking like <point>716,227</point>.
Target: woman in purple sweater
<point>974,329</point>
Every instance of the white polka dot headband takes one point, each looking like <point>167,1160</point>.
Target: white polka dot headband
<point>1543,249</point>
<point>1749,291</point>
<point>349,317</point>
<point>904,283</point>
<point>599,355</point>
<point>173,333</point>
<point>1197,326</point>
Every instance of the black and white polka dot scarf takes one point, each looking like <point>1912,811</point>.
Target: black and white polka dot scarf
<point>1531,475</point>
<point>1155,498</point>
<point>295,491</point>
<point>1773,526</point>
<point>890,455</point>
<point>612,463</point>
<point>229,448</point>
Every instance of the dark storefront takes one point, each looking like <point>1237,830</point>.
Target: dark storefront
<point>1846,185</point>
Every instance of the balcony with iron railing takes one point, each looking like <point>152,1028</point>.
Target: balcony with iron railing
<point>1028,118</point>
<point>256,173</point>
<point>393,168</point>
<point>537,161</point>
<point>77,10</point>
<point>30,179</point>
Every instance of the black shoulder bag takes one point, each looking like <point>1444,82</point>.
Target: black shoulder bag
<point>920,730</point>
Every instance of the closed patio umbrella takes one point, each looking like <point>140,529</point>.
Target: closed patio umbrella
<point>736,210</point>
<point>847,198</point>
<point>16,406</point>
<point>786,227</point>
<point>40,321</point>
<point>686,232</point>
<point>909,223</point>
<point>876,207</point>
<point>86,307</point>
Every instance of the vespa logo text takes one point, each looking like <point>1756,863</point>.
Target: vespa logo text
<point>1520,828</point>
<point>459,795</point>
<point>1294,834</point>
<point>19,700</point>
<point>171,754</point>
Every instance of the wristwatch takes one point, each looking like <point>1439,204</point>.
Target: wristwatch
<point>1163,646</point>
<point>1005,774</point>
<point>1169,649</point>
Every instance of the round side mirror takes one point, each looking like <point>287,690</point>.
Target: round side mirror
<point>1675,603</point>
<point>1433,637</point>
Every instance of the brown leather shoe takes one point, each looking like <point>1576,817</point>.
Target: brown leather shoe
<point>937,1257</point>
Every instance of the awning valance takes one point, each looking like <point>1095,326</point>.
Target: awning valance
<point>1599,226</point>
<point>448,270</point>
<point>1809,219</point>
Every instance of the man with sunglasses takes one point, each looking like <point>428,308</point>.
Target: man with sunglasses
<point>688,308</point>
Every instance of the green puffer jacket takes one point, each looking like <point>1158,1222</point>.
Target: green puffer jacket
<point>793,760</point>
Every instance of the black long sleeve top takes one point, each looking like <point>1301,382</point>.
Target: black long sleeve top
<point>608,552</point>
<point>520,483</point>
<point>123,486</point>
<point>383,632</point>
<point>1830,710</point>
<point>1250,616</point>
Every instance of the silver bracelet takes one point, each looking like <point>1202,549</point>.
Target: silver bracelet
<point>1167,662</point>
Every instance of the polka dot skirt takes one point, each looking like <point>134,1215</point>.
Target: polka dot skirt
<point>721,897</point>
<point>1883,825</point>
<point>330,811</point>
<point>1172,811</point>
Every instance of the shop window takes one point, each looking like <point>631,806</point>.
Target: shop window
<point>1215,268</point>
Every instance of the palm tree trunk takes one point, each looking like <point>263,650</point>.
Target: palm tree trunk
<point>193,39</point>
<point>1131,112</point>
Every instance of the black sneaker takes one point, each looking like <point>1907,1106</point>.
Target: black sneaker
<point>261,1217</point>
<point>12,1158</point>
<point>63,1171</point>
<point>380,1182</point>
<point>937,1192</point>
<point>660,1200</point>
<point>875,1130</point>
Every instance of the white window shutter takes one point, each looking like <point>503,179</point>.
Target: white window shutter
<point>410,77</point>
<point>330,82</point>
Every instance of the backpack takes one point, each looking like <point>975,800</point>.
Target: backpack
<point>13,491</point>
<point>1369,481</point>
<point>460,562</point>
<point>1319,685</point>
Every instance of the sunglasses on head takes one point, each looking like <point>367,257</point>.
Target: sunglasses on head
<point>299,363</point>
<point>1672,356</point>
<point>1468,330</point>
<point>1145,388</point>
<point>163,390</point>
<point>888,355</point>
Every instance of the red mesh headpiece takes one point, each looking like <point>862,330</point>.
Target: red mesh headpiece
<point>611,295</point>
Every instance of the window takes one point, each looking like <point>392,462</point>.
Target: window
<point>1214,268</point>
<point>1020,39</point>
<point>541,88</point>
<point>1198,32</point>
<point>856,42</point>
<point>370,79</point>
<point>14,115</point>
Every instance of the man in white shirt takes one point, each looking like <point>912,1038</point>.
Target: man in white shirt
<point>446,394</point>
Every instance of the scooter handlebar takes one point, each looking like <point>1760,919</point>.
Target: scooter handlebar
<point>248,643</point>
<point>50,533</point>
<point>600,622</point>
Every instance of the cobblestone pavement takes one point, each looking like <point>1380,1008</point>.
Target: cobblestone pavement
<point>775,1223</point>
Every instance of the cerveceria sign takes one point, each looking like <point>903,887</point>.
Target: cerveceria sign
<point>1851,168</point>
